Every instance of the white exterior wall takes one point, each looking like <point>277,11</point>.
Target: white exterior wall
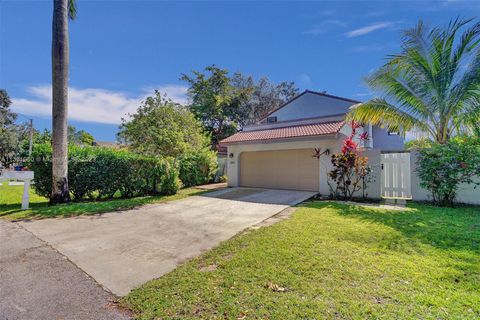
<point>233,165</point>
<point>331,143</point>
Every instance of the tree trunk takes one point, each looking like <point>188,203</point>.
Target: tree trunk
<point>60,61</point>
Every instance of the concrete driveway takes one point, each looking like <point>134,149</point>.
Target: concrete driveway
<point>122,250</point>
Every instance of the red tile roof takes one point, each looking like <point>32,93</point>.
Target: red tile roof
<point>306,130</point>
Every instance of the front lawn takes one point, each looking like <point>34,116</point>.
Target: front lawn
<point>11,197</point>
<point>331,261</point>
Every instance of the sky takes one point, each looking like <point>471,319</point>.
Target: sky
<point>120,51</point>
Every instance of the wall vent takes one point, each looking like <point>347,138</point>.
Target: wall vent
<point>271,119</point>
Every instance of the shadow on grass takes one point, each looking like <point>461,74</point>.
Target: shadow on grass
<point>444,228</point>
<point>40,210</point>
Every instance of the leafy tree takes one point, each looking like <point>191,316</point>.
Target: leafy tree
<point>63,10</point>
<point>7,122</point>
<point>162,128</point>
<point>433,85</point>
<point>39,137</point>
<point>7,117</point>
<point>11,134</point>
<point>81,137</point>
<point>216,102</point>
<point>418,144</point>
<point>225,103</point>
<point>265,97</point>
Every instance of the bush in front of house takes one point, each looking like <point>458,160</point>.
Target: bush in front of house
<point>444,167</point>
<point>351,171</point>
<point>103,173</point>
<point>197,168</point>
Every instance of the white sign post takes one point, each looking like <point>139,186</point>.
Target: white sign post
<point>26,177</point>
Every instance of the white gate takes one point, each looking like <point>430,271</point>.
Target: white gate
<point>396,175</point>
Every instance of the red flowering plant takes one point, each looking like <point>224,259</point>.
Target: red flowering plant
<point>351,171</point>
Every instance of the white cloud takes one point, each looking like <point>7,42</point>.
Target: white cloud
<point>92,104</point>
<point>367,29</point>
<point>325,27</point>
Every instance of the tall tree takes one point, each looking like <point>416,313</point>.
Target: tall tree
<point>216,102</point>
<point>62,11</point>
<point>433,85</point>
<point>225,103</point>
<point>11,134</point>
<point>80,137</point>
<point>163,128</point>
<point>265,97</point>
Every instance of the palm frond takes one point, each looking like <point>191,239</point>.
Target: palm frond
<point>433,83</point>
<point>72,9</point>
<point>379,112</point>
<point>403,89</point>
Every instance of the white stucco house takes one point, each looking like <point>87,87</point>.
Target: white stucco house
<point>278,151</point>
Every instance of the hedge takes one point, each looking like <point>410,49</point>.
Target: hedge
<point>103,173</point>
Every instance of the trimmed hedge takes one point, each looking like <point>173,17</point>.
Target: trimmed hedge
<point>103,173</point>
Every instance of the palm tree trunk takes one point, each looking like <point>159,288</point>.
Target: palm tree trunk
<point>60,61</point>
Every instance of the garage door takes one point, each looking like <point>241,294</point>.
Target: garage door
<point>284,169</point>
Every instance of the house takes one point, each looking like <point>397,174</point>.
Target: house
<point>278,151</point>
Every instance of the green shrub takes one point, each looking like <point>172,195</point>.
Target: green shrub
<point>170,182</point>
<point>443,167</point>
<point>41,164</point>
<point>197,168</point>
<point>101,173</point>
<point>223,178</point>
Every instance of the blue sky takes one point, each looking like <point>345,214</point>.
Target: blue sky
<point>121,50</point>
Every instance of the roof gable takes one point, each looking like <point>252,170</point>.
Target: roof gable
<point>311,104</point>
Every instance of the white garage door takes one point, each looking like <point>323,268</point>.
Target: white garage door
<point>282,169</point>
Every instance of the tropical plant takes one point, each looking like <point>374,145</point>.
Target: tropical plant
<point>432,86</point>
<point>62,11</point>
<point>351,171</point>
<point>444,167</point>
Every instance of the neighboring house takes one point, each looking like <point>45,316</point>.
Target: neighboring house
<point>278,151</point>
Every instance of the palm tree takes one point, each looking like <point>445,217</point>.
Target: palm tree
<point>432,86</point>
<point>62,11</point>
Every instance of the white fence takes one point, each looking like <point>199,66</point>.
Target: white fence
<point>395,176</point>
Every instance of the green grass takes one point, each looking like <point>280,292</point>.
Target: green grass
<point>334,262</point>
<point>10,199</point>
